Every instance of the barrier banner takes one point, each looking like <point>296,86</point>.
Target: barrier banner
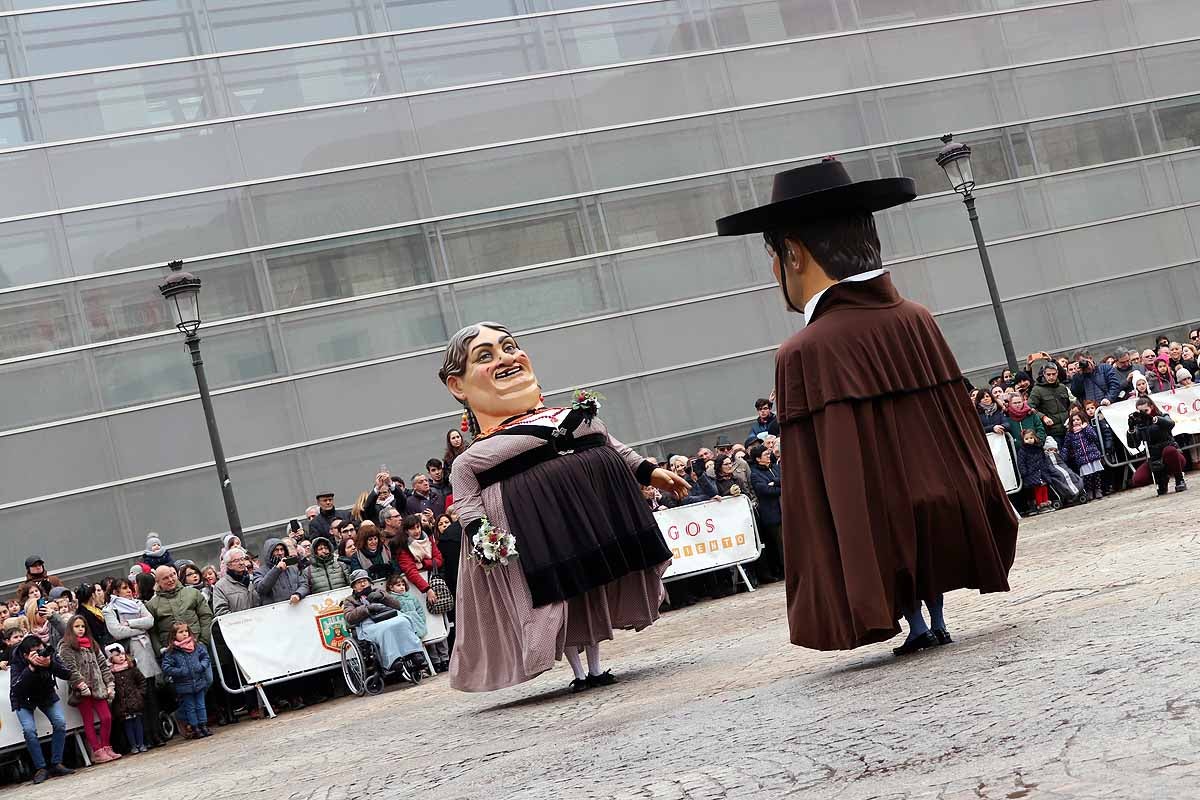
<point>278,640</point>
<point>10,727</point>
<point>704,536</point>
<point>1182,405</point>
<point>1002,455</point>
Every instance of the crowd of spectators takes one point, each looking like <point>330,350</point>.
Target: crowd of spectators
<point>1067,453</point>
<point>135,648</point>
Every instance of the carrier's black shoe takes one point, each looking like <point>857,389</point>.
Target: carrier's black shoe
<point>580,685</point>
<point>605,678</point>
<point>1180,485</point>
<point>927,639</point>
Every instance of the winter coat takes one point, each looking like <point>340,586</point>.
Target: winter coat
<point>1033,465</point>
<point>132,631</point>
<point>319,526</point>
<point>275,583</point>
<point>435,501</point>
<point>1054,401</point>
<point>378,571</point>
<point>357,609</point>
<point>766,483</point>
<point>1155,433</point>
<point>771,426</point>
<point>89,666</point>
<point>34,687</point>
<point>323,574</point>
<point>1157,383</point>
<point>230,595</point>
<point>1101,383</point>
<point>1081,448</point>
<point>992,417</point>
<point>1032,422</point>
<point>182,604</point>
<point>162,558</point>
<point>129,700</point>
<point>412,570</point>
<point>190,672</point>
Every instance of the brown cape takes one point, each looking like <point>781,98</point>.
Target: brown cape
<point>889,489</point>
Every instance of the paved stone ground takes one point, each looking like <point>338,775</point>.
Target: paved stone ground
<point>1082,682</point>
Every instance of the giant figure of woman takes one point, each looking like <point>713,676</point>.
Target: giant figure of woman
<point>590,557</point>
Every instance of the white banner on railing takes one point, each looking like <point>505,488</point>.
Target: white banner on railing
<point>1183,406</point>
<point>10,727</point>
<point>1002,455</point>
<point>278,640</point>
<point>704,536</point>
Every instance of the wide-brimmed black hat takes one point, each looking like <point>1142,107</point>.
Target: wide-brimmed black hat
<point>815,191</point>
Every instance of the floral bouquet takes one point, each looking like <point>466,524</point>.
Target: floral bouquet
<point>491,546</point>
<point>587,401</point>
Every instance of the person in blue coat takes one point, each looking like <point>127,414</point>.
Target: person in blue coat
<point>187,664</point>
<point>1094,381</point>
<point>764,479</point>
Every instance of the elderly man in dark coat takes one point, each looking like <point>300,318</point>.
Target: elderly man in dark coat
<point>890,495</point>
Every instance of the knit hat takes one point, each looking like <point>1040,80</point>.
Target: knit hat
<point>234,553</point>
<point>227,538</point>
<point>1182,374</point>
<point>115,647</point>
<point>1134,377</point>
<point>59,591</point>
<point>151,540</point>
<point>359,575</point>
<point>1050,444</point>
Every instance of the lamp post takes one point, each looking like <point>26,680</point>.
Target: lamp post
<point>181,290</point>
<point>955,160</point>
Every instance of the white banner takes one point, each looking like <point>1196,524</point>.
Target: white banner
<point>1183,406</point>
<point>703,536</point>
<point>10,727</point>
<point>1002,455</point>
<point>278,640</point>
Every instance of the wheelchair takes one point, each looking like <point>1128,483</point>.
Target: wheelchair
<point>363,672</point>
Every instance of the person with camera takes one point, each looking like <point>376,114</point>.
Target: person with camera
<point>1095,381</point>
<point>278,575</point>
<point>376,616</point>
<point>34,670</point>
<point>1151,427</point>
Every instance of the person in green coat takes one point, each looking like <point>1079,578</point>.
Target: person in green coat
<point>1021,418</point>
<point>324,573</point>
<point>174,602</point>
<point>1052,402</point>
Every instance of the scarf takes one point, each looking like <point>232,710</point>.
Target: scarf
<point>84,643</point>
<point>41,631</point>
<point>188,645</point>
<point>95,612</point>
<point>128,606</point>
<point>1019,415</point>
<point>115,667</point>
<point>243,579</point>
<point>375,557</point>
<point>421,549</point>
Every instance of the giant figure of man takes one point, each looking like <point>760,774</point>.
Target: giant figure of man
<point>890,494</point>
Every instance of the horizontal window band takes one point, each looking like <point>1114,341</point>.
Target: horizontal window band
<point>129,201</point>
<point>279,523</point>
<point>598,256</point>
<point>450,415</point>
<point>67,7</point>
<point>262,248</point>
<point>362,37</point>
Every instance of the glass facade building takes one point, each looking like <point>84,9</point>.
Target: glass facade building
<point>355,179</point>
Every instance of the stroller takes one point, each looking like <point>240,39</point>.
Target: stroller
<point>1065,484</point>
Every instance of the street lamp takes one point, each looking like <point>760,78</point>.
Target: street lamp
<point>181,290</point>
<point>955,160</point>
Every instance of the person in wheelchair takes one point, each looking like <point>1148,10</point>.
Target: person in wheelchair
<point>375,617</point>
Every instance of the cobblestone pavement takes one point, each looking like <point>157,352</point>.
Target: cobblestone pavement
<point>1080,683</point>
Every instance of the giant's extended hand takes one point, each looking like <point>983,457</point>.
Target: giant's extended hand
<point>668,482</point>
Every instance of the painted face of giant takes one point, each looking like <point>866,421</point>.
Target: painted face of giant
<point>499,382</point>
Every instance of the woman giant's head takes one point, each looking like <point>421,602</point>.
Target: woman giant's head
<point>489,374</point>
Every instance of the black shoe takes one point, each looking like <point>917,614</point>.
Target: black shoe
<point>943,636</point>
<point>40,776</point>
<point>1162,490</point>
<point>580,685</point>
<point>204,731</point>
<point>1180,486</point>
<point>926,639</point>
<point>60,770</point>
<point>605,678</point>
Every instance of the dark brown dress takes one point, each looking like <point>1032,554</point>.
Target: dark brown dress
<point>890,493</point>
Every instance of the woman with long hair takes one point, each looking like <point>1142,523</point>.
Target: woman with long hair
<point>456,445</point>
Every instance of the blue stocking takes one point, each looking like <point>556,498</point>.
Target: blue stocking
<point>936,620</point>
<point>916,623</point>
